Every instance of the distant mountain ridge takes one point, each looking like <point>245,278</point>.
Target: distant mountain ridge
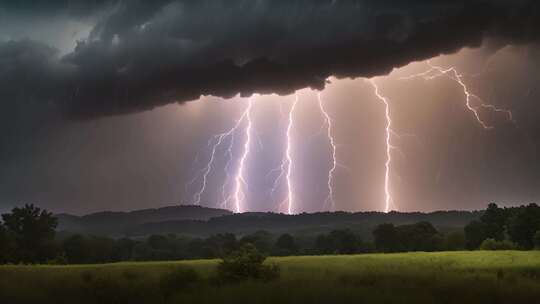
<point>201,221</point>
<point>305,223</point>
<point>117,223</point>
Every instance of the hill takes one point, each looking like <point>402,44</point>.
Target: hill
<point>117,223</point>
<point>304,224</point>
<point>202,222</point>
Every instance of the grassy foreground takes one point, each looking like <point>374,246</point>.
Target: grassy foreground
<point>444,277</point>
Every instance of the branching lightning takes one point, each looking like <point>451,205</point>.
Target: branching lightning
<point>388,200</point>
<point>452,73</point>
<point>286,164</point>
<point>329,201</point>
<point>288,156</point>
<point>218,140</point>
<point>215,142</point>
<point>236,196</point>
<point>432,73</point>
<point>240,181</point>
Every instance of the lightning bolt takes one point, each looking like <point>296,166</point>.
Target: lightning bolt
<point>432,73</point>
<point>388,200</point>
<point>215,142</point>
<point>452,73</point>
<point>288,156</point>
<point>240,181</point>
<point>280,168</point>
<point>218,140</point>
<point>286,164</point>
<point>329,201</point>
<point>229,154</point>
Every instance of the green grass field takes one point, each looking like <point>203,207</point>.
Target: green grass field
<point>444,277</point>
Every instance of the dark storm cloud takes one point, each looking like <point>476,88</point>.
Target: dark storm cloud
<point>143,54</point>
<point>75,8</point>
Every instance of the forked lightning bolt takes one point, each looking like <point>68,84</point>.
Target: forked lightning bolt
<point>329,201</point>
<point>432,73</point>
<point>452,73</point>
<point>286,164</point>
<point>388,200</point>
<point>218,140</point>
<point>240,180</point>
<point>215,142</point>
<point>288,154</point>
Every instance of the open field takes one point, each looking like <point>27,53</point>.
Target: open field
<point>444,277</point>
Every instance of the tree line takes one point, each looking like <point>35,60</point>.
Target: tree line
<point>27,235</point>
<point>505,228</point>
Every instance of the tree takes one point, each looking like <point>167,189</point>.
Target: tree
<point>323,244</point>
<point>341,241</point>
<point>285,245</point>
<point>494,219</point>
<point>102,249</point>
<point>536,240</point>
<point>260,239</point>
<point>523,226</point>
<point>475,233</point>
<point>345,241</point>
<point>221,244</point>
<point>7,245</point>
<point>158,242</point>
<point>81,249</point>
<point>421,236</point>
<point>455,240</point>
<point>34,231</point>
<point>77,249</point>
<point>123,249</point>
<point>386,238</point>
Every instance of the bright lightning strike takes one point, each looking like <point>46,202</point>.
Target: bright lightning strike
<point>225,199</point>
<point>329,201</point>
<point>388,196</point>
<point>285,167</point>
<point>240,181</point>
<point>282,168</point>
<point>452,73</point>
<point>288,155</point>
<point>208,167</point>
<point>217,141</point>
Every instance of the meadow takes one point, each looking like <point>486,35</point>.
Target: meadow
<point>441,277</point>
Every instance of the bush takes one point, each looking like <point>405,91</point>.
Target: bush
<point>178,279</point>
<point>269,272</point>
<point>492,244</point>
<point>58,260</point>
<point>246,263</point>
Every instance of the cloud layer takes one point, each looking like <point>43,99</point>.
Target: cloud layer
<point>143,54</point>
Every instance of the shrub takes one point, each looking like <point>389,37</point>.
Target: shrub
<point>246,263</point>
<point>58,260</point>
<point>492,244</point>
<point>269,272</point>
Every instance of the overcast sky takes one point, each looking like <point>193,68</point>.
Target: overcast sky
<point>111,104</point>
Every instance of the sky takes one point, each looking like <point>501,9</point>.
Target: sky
<point>117,105</point>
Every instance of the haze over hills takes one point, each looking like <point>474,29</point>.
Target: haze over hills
<point>116,223</point>
<point>202,221</point>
